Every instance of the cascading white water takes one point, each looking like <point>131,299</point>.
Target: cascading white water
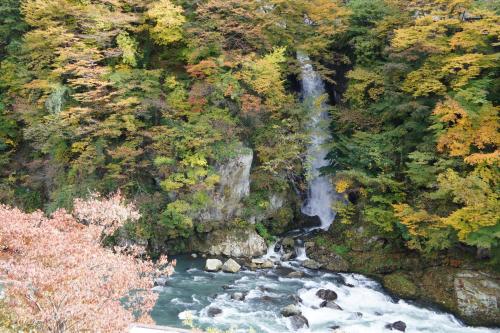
<point>321,193</point>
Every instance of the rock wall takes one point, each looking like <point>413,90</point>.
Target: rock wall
<point>233,187</point>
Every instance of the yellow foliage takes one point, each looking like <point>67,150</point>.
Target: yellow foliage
<point>417,221</point>
<point>457,138</point>
<point>342,185</point>
<point>168,19</point>
<point>365,86</point>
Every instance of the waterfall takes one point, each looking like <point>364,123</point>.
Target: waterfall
<point>320,194</point>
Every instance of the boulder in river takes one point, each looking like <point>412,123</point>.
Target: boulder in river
<point>290,310</point>
<point>236,243</point>
<point>213,311</point>
<point>311,264</point>
<point>238,296</point>
<point>298,322</point>
<point>330,305</point>
<point>213,265</point>
<point>231,266</point>
<point>397,326</point>
<point>261,264</point>
<point>296,274</point>
<point>160,281</point>
<point>288,256</point>
<point>327,294</point>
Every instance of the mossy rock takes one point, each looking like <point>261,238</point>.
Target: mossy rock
<point>400,285</point>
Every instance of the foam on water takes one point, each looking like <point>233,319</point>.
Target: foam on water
<point>365,306</point>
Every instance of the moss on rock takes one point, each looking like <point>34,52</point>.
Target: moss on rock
<point>400,285</point>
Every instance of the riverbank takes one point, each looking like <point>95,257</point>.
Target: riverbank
<point>455,280</point>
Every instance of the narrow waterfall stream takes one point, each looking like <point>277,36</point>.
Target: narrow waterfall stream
<point>321,193</point>
<point>252,300</point>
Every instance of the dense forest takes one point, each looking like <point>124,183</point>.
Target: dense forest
<point>147,96</point>
<point>151,97</point>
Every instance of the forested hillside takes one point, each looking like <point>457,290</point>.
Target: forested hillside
<point>149,96</point>
<point>134,128</point>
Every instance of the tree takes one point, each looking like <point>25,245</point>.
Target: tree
<point>60,278</point>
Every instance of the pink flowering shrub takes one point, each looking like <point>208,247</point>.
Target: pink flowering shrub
<point>109,213</point>
<point>60,278</point>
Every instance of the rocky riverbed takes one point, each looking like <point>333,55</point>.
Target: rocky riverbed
<point>289,297</point>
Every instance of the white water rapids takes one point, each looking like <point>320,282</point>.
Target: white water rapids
<point>320,194</point>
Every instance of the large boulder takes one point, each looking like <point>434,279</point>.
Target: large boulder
<point>236,243</point>
<point>231,266</point>
<point>327,294</point>
<point>477,295</point>
<point>298,322</point>
<point>213,265</point>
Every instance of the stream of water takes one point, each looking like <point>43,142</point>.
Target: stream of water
<point>192,293</point>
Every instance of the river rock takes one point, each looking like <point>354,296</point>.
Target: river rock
<point>330,305</point>
<point>213,265</point>
<point>261,264</point>
<point>213,311</point>
<point>400,284</point>
<point>327,294</point>
<point>238,296</point>
<point>236,243</point>
<point>194,255</point>
<point>287,256</point>
<point>231,266</point>
<point>160,281</point>
<point>298,322</point>
<point>290,310</point>
<point>477,296</point>
<point>296,274</point>
<point>311,264</point>
<point>397,326</point>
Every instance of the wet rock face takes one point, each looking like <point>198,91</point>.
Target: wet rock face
<point>477,295</point>
<point>236,243</point>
